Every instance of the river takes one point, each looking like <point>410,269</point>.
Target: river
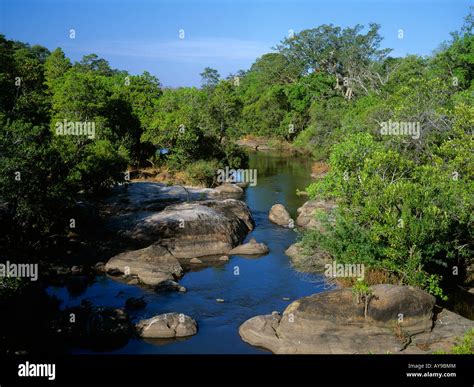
<point>248,286</point>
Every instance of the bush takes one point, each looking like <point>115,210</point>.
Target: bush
<point>408,218</point>
<point>203,172</point>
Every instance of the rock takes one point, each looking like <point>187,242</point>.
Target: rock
<point>448,328</point>
<point>77,270</point>
<point>99,267</point>
<point>313,263</point>
<point>195,260</point>
<point>188,230</point>
<point>170,285</point>
<point>135,303</point>
<point>150,196</point>
<point>152,265</point>
<point>219,300</point>
<point>114,272</point>
<point>242,184</point>
<point>224,258</point>
<point>279,215</point>
<point>333,323</point>
<point>307,213</point>
<point>250,248</point>
<point>229,190</point>
<point>168,325</point>
<point>392,303</point>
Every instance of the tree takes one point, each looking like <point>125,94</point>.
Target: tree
<point>55,67</point>
<point>210,78</point>
<point>346,54</point>
<point>223,108</point>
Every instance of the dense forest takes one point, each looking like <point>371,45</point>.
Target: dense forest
<point>396,133</point>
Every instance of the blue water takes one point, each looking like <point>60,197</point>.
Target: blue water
<point>249,286</point>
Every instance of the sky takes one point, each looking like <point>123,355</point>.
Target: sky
<point>176,39</point>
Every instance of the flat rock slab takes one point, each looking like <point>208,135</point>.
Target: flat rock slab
<point>188,229</point>
<point>152,265</point>
<point>333,322</point>
<point>149,196</point>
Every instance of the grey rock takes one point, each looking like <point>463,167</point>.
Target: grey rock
<point>333,323</point>
<point>152,265</point>
<point>168,325</point>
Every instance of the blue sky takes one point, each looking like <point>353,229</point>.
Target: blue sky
<point>224,34</point>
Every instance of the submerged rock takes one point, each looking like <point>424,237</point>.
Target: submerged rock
<point>332,322</point>
<point>168,325</point>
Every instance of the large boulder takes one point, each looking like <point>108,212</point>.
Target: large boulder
<point>188,230</point>
<point>250,248</point>
<point>152,265</point>
<point>168,325</point>
<point>307,213</point>
<point>407,306</point>
<point>279,215</point>
<point>333,322</point>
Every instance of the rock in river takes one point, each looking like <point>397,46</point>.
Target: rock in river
<point>307,213</point>
<point>229,190</point>
<point>333,323</point>
<point>279,215</point>
<point>152,265</point>
<point>250,248</point>
<point>168,325</point>
<point>310,263</point>
<point>188,230</point>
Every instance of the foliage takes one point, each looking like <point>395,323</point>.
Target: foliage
<point>203,172</point>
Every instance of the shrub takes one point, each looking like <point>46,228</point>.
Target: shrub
<point>203,172</point>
